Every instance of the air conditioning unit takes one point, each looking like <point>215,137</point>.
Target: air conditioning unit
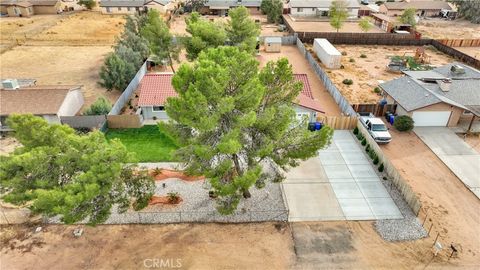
<point>10,84</point>
<point>457,69</point>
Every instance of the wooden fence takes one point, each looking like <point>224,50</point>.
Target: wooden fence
<point>364,38</point>
<point>338,122</point>
<point>125,121</point>
<point>376,109</point>
<point>394,175</point>
<point>460,42</point>
<point>456,53</point>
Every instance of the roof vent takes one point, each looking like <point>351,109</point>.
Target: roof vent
<point>457,69</point>
<point>10,84</point>
<point>445,84</point>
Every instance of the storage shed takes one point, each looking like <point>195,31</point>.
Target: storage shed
<point>327,53</point>
<point>273,44</point>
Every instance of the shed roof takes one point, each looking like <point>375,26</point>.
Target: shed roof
<point>39,100</point>
<point>273,40</point>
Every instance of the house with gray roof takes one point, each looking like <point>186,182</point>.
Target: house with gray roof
<point>319,8</point>
<point>427,8</point>
<point>221,7</point>
<point>136,6</point>
<point>443,96</point>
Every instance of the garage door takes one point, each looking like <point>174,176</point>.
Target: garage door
<point>431,119</point>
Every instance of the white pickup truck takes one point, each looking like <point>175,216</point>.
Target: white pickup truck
<point>375,127</point>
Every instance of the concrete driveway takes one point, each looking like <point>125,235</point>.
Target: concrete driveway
<point>338,184</point>
<point>460,158</point>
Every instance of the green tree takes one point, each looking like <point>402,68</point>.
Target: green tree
<point>365,24</point>
<point>468,9</point>
<point>160,39</point>
<point>88,4</point>
<point>338,14</point>
<point>273,9</point>
<point>133,40</point>
<point>114,73</point>
<point>101,106</point>
<point>408,16</point>
<point>242,31</point>
<point>204,34</point>
<point>243,122</point>
<point>78,177</point>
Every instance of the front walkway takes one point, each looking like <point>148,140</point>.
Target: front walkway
<point>338,184</point>
<point>460,158</point>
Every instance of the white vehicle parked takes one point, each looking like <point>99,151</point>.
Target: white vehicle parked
<point>376,128</point>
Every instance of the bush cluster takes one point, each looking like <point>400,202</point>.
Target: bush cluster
<point>347,81</point>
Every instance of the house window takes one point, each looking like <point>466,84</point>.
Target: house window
<point>108,9</point>
<point>313,9</point>
<point>299,9</point>
<point>128,8</point>
<point>158,108</point>
<point>119,9</point>
<point>137,9</point>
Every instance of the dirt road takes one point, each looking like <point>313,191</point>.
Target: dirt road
<point>447,203</point>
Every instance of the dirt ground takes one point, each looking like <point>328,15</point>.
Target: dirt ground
<point>7,145</point>
<point>300,65</point>
<point>446,202</point>
<point>324,26</point>
<point>472,51</point>
<point>60,49</point>
<point>442,29</point>
<point>368,72</point>
<point>52,65</point>
<point>178,25</point>
<point>313,245</point>
<point>473,140</point>
<point>193,246</point>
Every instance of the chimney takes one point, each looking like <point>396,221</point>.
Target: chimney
<point>445,84</point>
<point>10,84</point>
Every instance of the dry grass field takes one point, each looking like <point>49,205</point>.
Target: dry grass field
<point>60,49</point>
<point>441,29</point>
<point>368,72</point>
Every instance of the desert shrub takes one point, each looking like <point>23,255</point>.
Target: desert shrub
<point>355,130</point>
<point>364,141</point>
<point>360,136</point>
<point>157,171</point>
<point>173,197</point>
<point>371,153</point>
<point>376,160</point>
<point>377,90</point>
<point>367,148</point>
<point>381,167</point>
<point>347,81</point>
<point>403,123</point>
<point>344,53</point>
<point>363,55</point>
<point>379,3</point>
<point>352,60</point>
<point>101,106</point>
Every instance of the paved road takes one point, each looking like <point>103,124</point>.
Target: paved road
<point>338,184</point>
<point>460,158</point>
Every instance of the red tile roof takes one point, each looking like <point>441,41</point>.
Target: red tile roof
<point>156,88</point>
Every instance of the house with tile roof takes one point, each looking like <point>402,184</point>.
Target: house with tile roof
<point>444,96</point>
<point>319,8</point>
<point>49,102</point>
<point>156,88</point>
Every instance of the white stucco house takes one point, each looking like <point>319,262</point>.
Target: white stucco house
<point>49,102</point>
<point>155,88</point>
<point>319,8</point>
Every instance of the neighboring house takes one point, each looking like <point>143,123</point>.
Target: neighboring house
<point>443,96</point>
<point>320,8</point>
<point>136,6</point>
<point>49,102</point>
<point>28,8</point>
<point>221,7</point>
<point>424,8</point>
<point>155,88</point>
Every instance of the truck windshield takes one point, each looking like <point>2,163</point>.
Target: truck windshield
<point>379,127</point>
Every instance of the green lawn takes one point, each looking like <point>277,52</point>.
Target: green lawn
<point>148,143</point>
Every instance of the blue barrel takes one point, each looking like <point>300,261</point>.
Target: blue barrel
<point>318,125</point>
<point>392,119</point>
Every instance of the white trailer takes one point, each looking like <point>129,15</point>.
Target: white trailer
<point>327,53</point>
